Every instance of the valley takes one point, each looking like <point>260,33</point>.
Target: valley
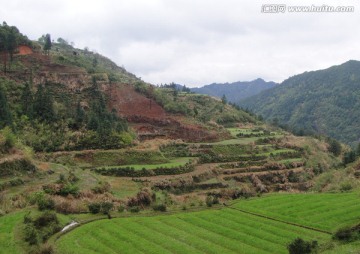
<point>152,169</point>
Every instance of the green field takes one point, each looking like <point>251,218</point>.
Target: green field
<point>228,230</point>
<point>172,164</point>
<point>325,211</point>
<point>7,232</point>
<point>212,231</point>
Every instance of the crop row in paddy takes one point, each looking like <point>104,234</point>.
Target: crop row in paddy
<point>326,211</point>
<point>214,231</point>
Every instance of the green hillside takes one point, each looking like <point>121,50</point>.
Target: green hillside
<point>235,91</point>
<point>325,101</point>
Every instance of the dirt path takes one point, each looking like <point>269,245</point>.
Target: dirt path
<point>12,157</point>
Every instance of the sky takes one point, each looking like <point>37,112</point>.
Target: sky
<point>197,42</point>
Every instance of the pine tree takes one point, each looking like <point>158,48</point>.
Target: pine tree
<point>48,43</point>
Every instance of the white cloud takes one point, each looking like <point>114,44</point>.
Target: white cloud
<point>196,42</point>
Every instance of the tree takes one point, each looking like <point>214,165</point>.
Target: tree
<point>334,147</point>
<point>9,38</point>
<point>5,114</point>
<point>224,99</point>
<point>358,150</point>
<point>62,41</point>
<point>79,115</point>
<point>44,105</point>
<point>349,157</point>
<point>95,62</point>
<point>27,100</point>
<point>48,44</point>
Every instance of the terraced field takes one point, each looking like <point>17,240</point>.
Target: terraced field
<point>214,231</point>
<point>172,164</point>
<point>229,230</point>
<point>325,211</point>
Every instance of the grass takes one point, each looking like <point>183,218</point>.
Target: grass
<point>291,160</point>
<point>209,231</point>
<point>244,140</point>
<point>97,158</point>
<point>172,164</point>
<point>122,188</point>
<point>7,235</point>
<point>325,211</point>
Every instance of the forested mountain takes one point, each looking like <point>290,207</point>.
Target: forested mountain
<point>324,101</point>
<point>236,91</point>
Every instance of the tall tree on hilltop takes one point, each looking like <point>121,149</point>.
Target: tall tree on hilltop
<point>48,44</point>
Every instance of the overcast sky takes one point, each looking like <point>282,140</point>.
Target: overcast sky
<point>197,42</point>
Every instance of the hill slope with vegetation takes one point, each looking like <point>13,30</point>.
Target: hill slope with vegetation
<point>325,101</point>
<point>235,92</point>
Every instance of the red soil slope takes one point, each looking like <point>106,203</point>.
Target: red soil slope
<point>128,103</point>
<point>149,119</point>
<point>24,50</point>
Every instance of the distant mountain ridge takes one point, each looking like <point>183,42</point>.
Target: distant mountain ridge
<point>323,101</point>
<point>235,91</point>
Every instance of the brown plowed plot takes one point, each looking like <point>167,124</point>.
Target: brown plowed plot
<point>128,102</point>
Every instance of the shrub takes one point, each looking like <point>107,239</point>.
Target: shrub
<point>160,207</point>
<point>209,201</point>
<point>40,228</point>
<point>135,209</point>
<point>46,249</point>
<point>94,207</point>
<point>27,218</point>
<point>46,219</point>
<point>344,187</point>
<point>30,234</point>
<point>344,234</point>
<point>143,198</point>
<point>348,234</point>
<point>121,208</point>
<point>101,188</point>
<point>106,207</point>
<point>299,246</point>
<point>16,182</point>
<point>10,138</point>
<point>69,189</point>
<point>46,204</point>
